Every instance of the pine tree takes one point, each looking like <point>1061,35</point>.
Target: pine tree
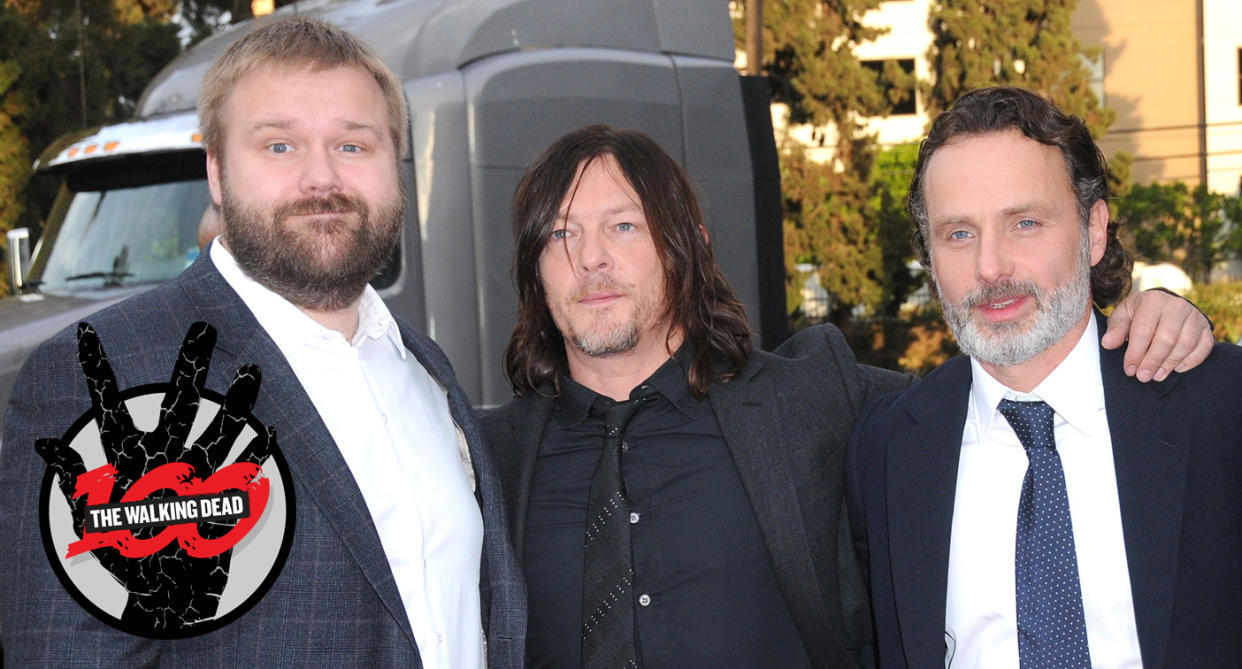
<point>810,63</point>
<point>1026,43</point>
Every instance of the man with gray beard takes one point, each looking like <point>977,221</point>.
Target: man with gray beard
<point>1030,505</point>
<point>392,543</point>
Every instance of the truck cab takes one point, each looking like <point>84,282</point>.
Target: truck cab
<point>489,83</point>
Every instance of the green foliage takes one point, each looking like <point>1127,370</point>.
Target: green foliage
<point>1222,302</point>
<point>894,168</point>
<point>826,226</point>
<point>1026,43</point>
<point>808,56</point>
<point>109,52</point>
<point>1170,222</point>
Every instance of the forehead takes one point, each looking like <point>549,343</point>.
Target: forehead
<point>292,93</point>
<point>599,186</point>
<point>994,170</point>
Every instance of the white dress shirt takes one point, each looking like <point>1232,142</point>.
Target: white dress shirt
<point>391,422</point>
<point>981,608</point>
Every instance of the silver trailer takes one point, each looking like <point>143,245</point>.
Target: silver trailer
<point>490,83</point>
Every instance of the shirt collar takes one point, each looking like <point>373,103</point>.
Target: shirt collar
<point>289,326</point>
<point>1074,389</point>
<point>672,380</point>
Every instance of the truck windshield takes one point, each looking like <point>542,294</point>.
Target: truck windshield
<point>107,232</point>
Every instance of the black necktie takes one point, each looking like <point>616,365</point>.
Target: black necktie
<point>1052,631</point>
<point>607,569</point>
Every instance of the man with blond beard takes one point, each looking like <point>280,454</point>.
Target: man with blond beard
<point>395,548</point>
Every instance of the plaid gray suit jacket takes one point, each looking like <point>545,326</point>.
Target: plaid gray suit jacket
<point>334,603</point>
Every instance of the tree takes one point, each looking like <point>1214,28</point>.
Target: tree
<point>1170,222</point>
<point>72,66</point>
<point>808,57</point>
<point>1026,43</point>
<point>894,168</point>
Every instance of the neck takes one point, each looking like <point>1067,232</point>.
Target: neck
<point>1025,376</point>
<point>344,321</point>
<point>616,375</point>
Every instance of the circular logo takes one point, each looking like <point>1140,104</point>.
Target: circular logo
<point>167,547</point>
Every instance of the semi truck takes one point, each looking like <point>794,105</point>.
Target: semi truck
<point>489,84</point>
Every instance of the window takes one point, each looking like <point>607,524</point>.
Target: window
<point>896,78</point>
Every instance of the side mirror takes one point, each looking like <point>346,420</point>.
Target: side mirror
<point>19,258</point>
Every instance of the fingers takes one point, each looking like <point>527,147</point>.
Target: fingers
<point>259,448</point>
<point>1119,325</point>
<point>189,376</point>
<point>217,440</point>
<point>64,461</point>
<point>1203,347</point>
<point>114,419</point>
<point>1166,333</point>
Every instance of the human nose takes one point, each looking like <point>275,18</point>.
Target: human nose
<point>319,173</point>
<point>594,253</point>
<point>994,260</point>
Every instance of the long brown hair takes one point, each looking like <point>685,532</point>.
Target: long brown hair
<point>1001,108</point>
<point>698,299</point>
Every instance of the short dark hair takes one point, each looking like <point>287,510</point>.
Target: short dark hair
<point>1001,108</point>
<point>698,298</point>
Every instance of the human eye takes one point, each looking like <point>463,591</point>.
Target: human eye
<point>351,148</point>
<point>958,235</point>
<point>626,226</point>
<point>1026,224</point>
<point>279,147</point>
<point>558,234</point>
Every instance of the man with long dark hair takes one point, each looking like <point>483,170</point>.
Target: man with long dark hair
<point>1127,498</point>
<point>675,495</point>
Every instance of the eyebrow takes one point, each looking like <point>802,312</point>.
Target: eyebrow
<point>1027,207</point>
<point>1013,210</point>
<point>622,209</point>
<point>286,124</point>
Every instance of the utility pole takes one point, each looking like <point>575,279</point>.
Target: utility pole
<point>77,4</point>
<point>754,37</point>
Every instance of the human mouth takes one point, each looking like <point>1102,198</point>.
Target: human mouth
<point>599,298</point>
<point>1002,308</point>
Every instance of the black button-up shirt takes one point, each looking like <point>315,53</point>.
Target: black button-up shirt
<point>705,593</point>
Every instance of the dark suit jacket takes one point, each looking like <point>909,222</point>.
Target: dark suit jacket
<point>335,602</point>
<point>1177,449</point>
<point>785,418</point>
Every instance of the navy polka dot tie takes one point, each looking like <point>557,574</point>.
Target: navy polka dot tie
<point>1052,631</point>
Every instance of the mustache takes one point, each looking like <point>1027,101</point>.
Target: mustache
<point>1002,290</point>
<point>337,203</point>
<point>597,283</point>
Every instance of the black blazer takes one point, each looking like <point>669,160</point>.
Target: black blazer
<point>786,419</point>
<point>1177,449</point>
<point>335,602</point>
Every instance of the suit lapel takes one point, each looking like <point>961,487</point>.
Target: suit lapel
<point>314,460</point>
<point>921,484</point>
<point>748,412</point>
<point>1150,452</point>
<point>527,428</point>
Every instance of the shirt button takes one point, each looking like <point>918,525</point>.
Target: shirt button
<point>633,517</point>
<point>440,639</point>
<point>625,446</point>
<point>644,600</point>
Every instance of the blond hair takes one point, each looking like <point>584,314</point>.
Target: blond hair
<point>294,41</point>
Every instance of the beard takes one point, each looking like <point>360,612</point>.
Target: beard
<point>1016,341</point>
<point>604,336</point>
<point>320,264</point>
